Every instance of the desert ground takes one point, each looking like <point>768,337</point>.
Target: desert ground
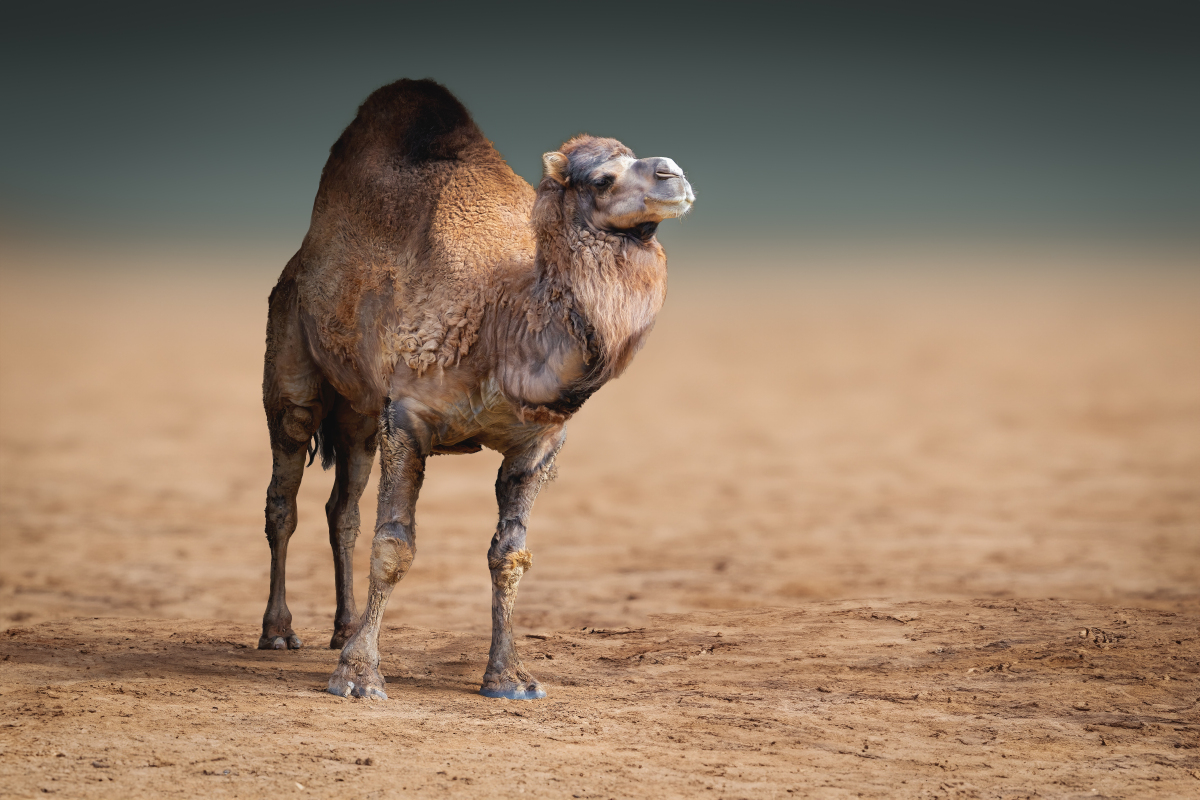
<point>855,524</point>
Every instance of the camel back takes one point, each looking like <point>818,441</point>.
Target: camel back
<point>415,213</point>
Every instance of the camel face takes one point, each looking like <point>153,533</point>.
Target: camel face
<point>615,190</point>
<point>628,192</point>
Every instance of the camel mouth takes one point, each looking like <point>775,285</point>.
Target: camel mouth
<point>669,209</point>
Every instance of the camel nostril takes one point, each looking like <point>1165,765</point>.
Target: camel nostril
<point>664,175</point>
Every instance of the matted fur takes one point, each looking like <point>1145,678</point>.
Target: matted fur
<point>411,244</point>
<point>441,301</point>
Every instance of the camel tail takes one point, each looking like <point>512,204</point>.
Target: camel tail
<point>322,442</point>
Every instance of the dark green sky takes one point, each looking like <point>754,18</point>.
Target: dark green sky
<point>844,119</point>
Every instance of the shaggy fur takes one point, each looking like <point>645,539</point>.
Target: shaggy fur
<point>440,303</point>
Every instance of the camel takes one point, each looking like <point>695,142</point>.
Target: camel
<point>439,304</point>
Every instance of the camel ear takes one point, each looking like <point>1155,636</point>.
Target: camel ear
<point>554,165</point>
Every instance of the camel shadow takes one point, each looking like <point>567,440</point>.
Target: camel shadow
<point>62,653</point>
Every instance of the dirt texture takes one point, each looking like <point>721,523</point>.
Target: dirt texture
<point>863,526</point>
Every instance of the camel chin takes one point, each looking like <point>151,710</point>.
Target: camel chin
<point>669,210</point>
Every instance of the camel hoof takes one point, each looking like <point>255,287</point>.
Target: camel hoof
<point>343,683</point>
<point>515,691</point>
<point>369,692</point>
<point>340,638</point>
<point>291,642</point>
<point>352,689</point>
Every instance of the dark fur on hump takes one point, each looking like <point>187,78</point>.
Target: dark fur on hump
<point>417,121</point>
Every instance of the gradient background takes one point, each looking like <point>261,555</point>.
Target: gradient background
<point>210,122</point>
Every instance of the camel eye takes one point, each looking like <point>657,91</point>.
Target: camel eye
<point>603,182</point>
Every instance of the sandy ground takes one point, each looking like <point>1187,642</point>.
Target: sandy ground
<point>858,529</point>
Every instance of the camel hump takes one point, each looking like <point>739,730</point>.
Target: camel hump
<point>417,121</point>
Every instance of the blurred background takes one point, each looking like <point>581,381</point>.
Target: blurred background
<point>932,330</point>
<point>816,120</point>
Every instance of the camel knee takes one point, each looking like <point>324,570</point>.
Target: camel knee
<point>507,571</point>
<point>392,553</point>
<point>508,540</point>
<point>508,568</point>
<point>292,426</point>
<point>299,423</point>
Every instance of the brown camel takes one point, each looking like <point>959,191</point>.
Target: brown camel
<point>439,304</point>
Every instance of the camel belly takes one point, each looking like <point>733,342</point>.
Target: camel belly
<point>480,417</point>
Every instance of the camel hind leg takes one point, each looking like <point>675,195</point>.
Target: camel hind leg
<point>351,436</point>
<point>288,453</point>
<point>295,398</point>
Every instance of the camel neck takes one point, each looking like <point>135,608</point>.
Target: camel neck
<point>610,286</point>
<point>561,331</point>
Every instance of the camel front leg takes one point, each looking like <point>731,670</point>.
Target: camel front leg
<point>521,477</point>
<point>402,469</point>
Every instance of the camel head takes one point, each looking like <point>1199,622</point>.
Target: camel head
<point>610,189</point>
